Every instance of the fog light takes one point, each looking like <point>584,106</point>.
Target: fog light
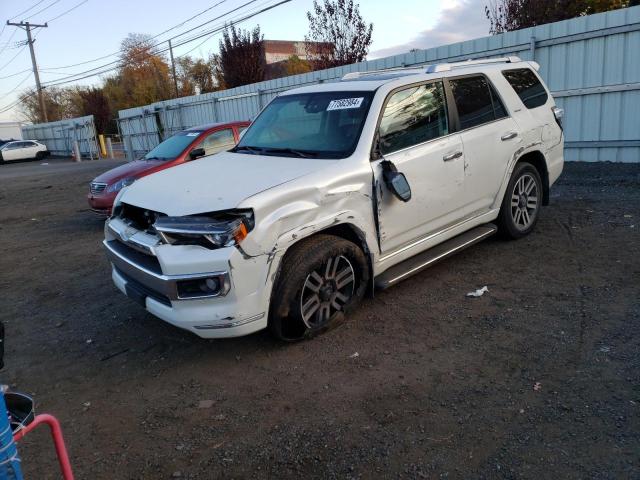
<point>201,287</point>
<point>212,284</point>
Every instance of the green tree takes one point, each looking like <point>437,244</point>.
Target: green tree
<point>93,101</point>
<point>241,59</point>
<point>294,65</point>
<point>337,34</point>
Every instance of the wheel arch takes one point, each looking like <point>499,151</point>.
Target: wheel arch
<point>538,160</point>
<point>345,230</point>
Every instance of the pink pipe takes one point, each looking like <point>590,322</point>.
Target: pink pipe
<point>58,440</point>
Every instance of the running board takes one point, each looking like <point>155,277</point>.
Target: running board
<point>432,256</point>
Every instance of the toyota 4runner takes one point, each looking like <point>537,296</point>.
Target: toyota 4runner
<point>337,189</point>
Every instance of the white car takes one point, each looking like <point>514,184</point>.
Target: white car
<point>335,190</point>
<point>23,150</point>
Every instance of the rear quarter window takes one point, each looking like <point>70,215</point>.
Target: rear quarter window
<point>527,86</point>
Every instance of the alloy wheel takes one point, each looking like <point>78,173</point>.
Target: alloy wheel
<point>326,291</point>
<point>524,202</point>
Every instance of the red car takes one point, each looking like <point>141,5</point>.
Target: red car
<point>184,146</point>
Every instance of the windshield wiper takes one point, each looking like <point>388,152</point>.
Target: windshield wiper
<point>246,148</point>
<point>297,153</point>
<point>153,158</point>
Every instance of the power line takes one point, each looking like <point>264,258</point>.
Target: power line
<point>159,34</point>
<point>18,101</point>
<point>27,27</point>
<point>8,41</point>
<point>43,9</point>
<point>213,34</point>
<point>14,57</point>
<point>101,69</point>
<point>67,11</point>
<point>16,87</point>
<point>15,74</point>
<point>25,11</point>
<point>18,14</point>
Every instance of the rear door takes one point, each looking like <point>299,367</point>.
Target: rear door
<point>415,135</point>
<point>490,138</point>
<point>30,149</point>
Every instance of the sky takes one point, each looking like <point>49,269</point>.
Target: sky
<point>88,29</point>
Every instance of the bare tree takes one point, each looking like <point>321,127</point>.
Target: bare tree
<point>509,15</point>
<point>339,34</point>
<point>241,60</point>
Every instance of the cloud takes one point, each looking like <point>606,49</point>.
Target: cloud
<point>458,21</point>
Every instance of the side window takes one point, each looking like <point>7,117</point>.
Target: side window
<point>477,101</point>
<point>527,86</point>
<point>218,141</point>
<point>413,116</point>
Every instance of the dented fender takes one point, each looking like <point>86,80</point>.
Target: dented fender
<point>288,213</point>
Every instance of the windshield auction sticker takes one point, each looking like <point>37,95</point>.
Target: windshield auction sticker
<point>345,103</point>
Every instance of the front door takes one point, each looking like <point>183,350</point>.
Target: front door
<point>12,151</point>
<point>414,136</point>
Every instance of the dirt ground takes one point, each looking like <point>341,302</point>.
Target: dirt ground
<point>539,378</point>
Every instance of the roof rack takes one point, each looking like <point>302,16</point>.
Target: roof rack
<point>433,68</point>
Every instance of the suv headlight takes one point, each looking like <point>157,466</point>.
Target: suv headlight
<point>120,184</point>
<point>216,230</point>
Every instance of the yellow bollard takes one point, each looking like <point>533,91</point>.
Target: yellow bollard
<point>103,149</point>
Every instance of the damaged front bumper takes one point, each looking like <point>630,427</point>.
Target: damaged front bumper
<point>212,293</point>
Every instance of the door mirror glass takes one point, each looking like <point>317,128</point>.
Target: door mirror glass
<point>196,152</point>
<point>398,184</point>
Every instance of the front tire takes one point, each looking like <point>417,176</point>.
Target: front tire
<point>322,280</point>
<point>521,204</point>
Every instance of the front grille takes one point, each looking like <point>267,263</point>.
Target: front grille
<point>96,188</point>
<point>148,262</point>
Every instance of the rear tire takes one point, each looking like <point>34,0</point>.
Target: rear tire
<point>321,281</point>
<point>521,204</point>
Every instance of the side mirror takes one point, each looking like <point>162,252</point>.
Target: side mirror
<point>196,152</point>
<point>396,181</point>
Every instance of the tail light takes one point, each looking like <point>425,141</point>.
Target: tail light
<point>558,114</point>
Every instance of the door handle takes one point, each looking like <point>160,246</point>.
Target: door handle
<point>452,156</point>
<point>508,136</point>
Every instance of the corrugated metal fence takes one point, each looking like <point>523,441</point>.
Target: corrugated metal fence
<point>591,63</point>
<point>59,136</point>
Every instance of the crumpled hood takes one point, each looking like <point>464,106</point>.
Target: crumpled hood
<point>218,182</point>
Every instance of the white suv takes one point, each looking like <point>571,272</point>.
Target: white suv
<point>335,190</point>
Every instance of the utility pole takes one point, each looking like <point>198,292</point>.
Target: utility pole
<point>173,68</point>
<point>28,26</point>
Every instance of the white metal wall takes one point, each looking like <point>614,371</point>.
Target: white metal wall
<point>591,63</point>
<point>59,136</point>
